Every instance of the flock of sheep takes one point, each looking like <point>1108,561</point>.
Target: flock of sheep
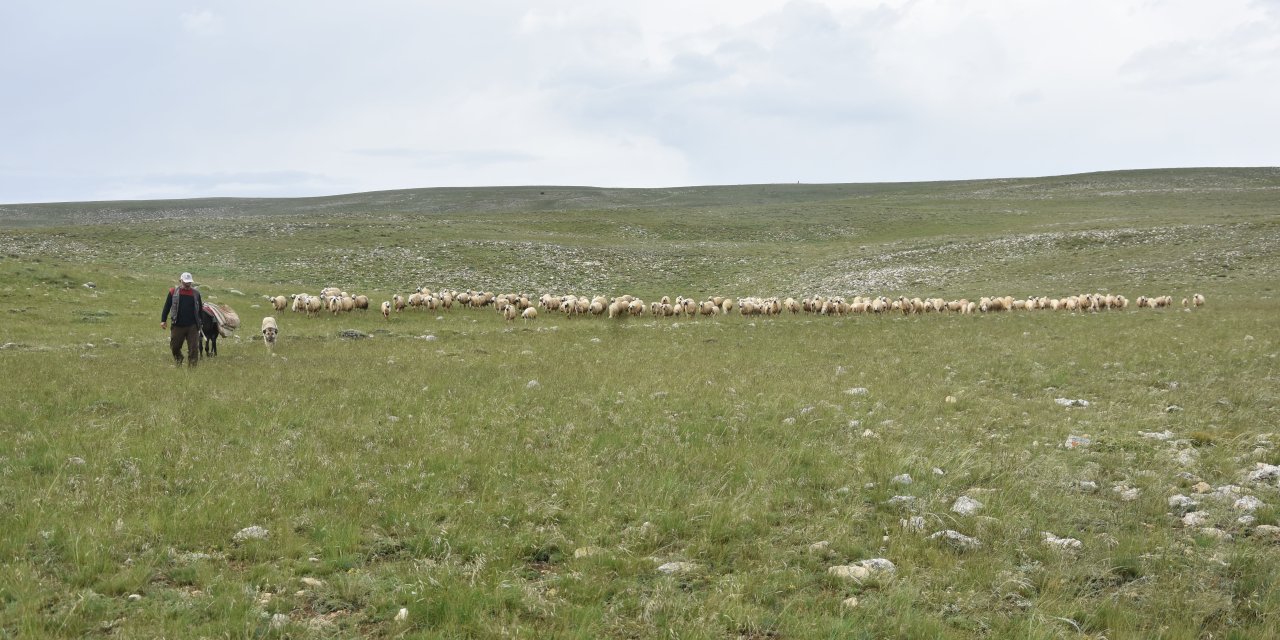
<point>520,305</point>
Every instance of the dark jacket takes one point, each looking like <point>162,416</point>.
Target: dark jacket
<point>189,304</point>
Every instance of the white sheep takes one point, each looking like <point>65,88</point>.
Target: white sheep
<point>386,310</point>
<point>530,313</point>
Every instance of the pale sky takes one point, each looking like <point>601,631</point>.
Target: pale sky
<point>141,99</point>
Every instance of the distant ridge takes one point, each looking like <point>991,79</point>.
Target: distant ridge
<point>512,199</point>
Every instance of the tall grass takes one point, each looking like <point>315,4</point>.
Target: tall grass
<point>529,479</point>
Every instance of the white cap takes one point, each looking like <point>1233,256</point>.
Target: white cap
<point>185,277</point>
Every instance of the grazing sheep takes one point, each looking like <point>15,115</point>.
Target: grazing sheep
<point>269,333</point>
<point>530,313</point>
<point>362,302</point>
<point>386,310</point>
<point>397,302</point>
<point>278,302</point>
<point>509,312</point>
<point>1197,300</point>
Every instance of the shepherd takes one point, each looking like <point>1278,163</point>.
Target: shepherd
<point>181,316</point>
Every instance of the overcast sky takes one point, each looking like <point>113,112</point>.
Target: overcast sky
<point>177,98</point>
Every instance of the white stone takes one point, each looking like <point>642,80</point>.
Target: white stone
<point>1187,457</point>
<point>1248,503</point>
<point>820,545</point>
<point>533,384</point>
<point>587,552</point>
<point>939,472</point>
<point>1194,519</point>
<point>957,540</point>
<point>402,615</point>
<point>901,479</point>
<point>1268,531</point>
<point>850,571</point>
<point>279,621</point>
<point>1068,402</point>
<point>966,506</point>
<point>312,582</point>
<point>672,568</point>
<point>898,501</point>
<point>1127,493</point>
<point>1215,533</point>
<point>850,603</point>
<point>1264,471</point>
<point>1154,435</point>
<point>251,533</point>
<point>856,391</point>
<point>1246,520</point>
<point>75,460</point>
<point>1061,543</point>
<point>1182,504</point>
<point>134,597</point>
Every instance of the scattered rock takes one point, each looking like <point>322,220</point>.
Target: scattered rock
<point>849,603</point>
<point>1078,442</point>
<point>1182,505</point>
<point>957,540</point>
<point>856,391</point>
<point>863,569</point>
<point>820,546</point>
<point>1264,471</point>
<point>134,597</point>
<point>75,460</point>
<point>1248,503</point>
<point>251,533</point>
<point>901,479</point>
<point>1194,519</point>
<point>1215,533</point>
<point>966,506</point>
<point>1154,435</point>
<point>673,568</point>
<point>1068,402</point>
<point>1202,487</point>
<point>913,524</point>
<point>402,615</point>
<point>1173,408</point>
<point>1187,457</point>
<point>897,501</point>
<point>950,400</point>
<point>279,621</point>
<point>533,384</point>
<point>1246,520</point>
<point>1086,485</point>
<point>1127,493</point>
<point>587,552</point>
<point>1061,543</point>
<point>867,433</point>
<point>939,472</point>
<point>1227,492</point>
<point>314,583</point>
<point>352,334</point>
<point>235,292</point>
<point>1267,532</point>
<point>656,395</point>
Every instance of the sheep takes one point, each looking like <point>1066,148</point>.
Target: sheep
<point>269,333</point>
<point>397,302</point>
<point>362,302</point>
<point>386,309</point>
<point>509,312</point>
<point>530,313</point>
<point>278,302</point>
<point>1197,300</point>
<point>315,304</point>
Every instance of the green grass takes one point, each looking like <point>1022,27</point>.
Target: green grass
<point>431,475</point>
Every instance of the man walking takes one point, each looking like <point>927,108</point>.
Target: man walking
<point>181,316</point>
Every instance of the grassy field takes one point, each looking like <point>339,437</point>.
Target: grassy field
<point>453,475</point>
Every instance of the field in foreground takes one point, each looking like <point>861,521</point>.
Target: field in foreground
<point>544,479</point>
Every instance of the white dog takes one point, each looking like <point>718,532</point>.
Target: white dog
<point>269,331</point>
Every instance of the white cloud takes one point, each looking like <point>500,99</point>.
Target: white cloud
<point>389,94</point>
<point>202,22</point>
